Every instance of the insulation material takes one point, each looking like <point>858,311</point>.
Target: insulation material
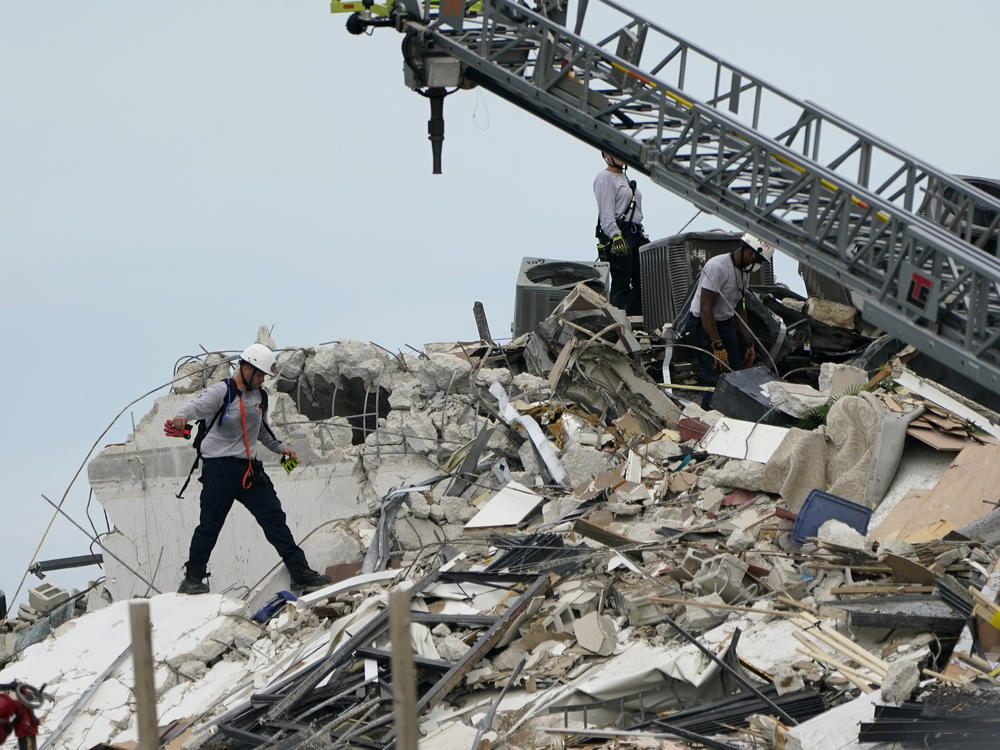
<point>542,445</point>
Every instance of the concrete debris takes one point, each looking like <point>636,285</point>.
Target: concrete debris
<point>581,548</point>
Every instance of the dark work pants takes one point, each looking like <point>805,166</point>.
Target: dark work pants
<point>730,336</point>
<point>222,484</point>
<point>626,279</point>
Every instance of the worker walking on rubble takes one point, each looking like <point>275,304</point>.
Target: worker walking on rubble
<point>620,233</point>
<point>231,471</point>
<point>719,310</point>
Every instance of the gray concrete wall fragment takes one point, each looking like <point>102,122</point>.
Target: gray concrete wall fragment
<point>745,475</point>
<point>582,463</point>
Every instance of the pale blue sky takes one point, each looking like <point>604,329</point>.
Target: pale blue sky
<point>173,175</point>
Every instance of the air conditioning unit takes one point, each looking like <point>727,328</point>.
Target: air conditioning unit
<point>669,267</point>
<point>543,282</point>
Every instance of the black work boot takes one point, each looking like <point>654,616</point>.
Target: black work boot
<point>194,581</point>
<point>305,579</point>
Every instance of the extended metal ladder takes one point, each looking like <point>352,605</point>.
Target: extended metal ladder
<point>845,203</point>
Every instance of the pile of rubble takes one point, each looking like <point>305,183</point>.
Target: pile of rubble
<point>590,557</point>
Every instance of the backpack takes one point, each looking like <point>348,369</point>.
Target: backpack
<point>202,427</point>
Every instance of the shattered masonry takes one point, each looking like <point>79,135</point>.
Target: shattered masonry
<point>592,559</point>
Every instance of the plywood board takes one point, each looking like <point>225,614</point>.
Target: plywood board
<point>509,507</point>
<point>956,499</point>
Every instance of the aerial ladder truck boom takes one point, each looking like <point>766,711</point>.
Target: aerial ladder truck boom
<point>845,203</point>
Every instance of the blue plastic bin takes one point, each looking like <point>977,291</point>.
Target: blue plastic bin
<point>820,507</point>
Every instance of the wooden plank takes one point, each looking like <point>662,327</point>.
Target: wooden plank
<point>142,662</point>
<point>885,588</point>
<point>956,499</point>
<point>560,364</point>
<point>404,675</point>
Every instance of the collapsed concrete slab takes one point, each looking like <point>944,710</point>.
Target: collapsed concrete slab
<point>660,571</point>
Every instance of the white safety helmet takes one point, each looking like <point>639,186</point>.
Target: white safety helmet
<point>260,357</point>
<point>759,246</point>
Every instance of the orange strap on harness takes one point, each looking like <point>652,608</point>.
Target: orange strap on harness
<point>248,474</point>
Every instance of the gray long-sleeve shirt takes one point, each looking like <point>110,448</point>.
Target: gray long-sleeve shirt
<point>226,436</point>
<point>613,195</point>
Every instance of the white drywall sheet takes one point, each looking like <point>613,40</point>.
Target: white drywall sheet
<point>512,504</point>
<point>737,438</point>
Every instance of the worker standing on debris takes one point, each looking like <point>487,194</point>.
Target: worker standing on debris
<point>719,309</point>
<point>619,232</point>
<point>232,472</point>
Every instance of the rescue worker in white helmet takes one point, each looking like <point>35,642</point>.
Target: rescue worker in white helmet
<point>619,232</point>
<point>231,471</point>
<point>719,309</point>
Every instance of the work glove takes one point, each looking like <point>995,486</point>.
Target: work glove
<point>602,251</point>
<point>618,245</point>
<point>721,362</point>
<point>749,355</point>
<point>172,430</point>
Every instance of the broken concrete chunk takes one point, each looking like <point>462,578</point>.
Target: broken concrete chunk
<point>788,680</point>
<point>489,375</point>
<point>509,658</point>
<point>744,475</point>
<point>452,648</point>
<point>741,539</point>
<point>624,509</point>
<point>840,534</point>
<point>529,458</point>
<point>418,431</point>
<point>246,633</point>
<point>596,633</point>
<point>704,618</point>
<point>582,463</point>
<point>660,450</point>
<point>194,375</point>
<point>456,509</point>
<point>723,575</point>
<point>711,499</point>
<point>46,596</point>
<point>795,399</point>
<point>419,505</point>
<point>836,379</point>
<point>831,313</point>
<point>901,680</point>
<point>192,669</point>
<point>532,387</point>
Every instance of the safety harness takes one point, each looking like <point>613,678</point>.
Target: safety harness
<point>220,416</point>
<point>603,241</point>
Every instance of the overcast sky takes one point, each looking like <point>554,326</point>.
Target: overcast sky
<point>173,175</point>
